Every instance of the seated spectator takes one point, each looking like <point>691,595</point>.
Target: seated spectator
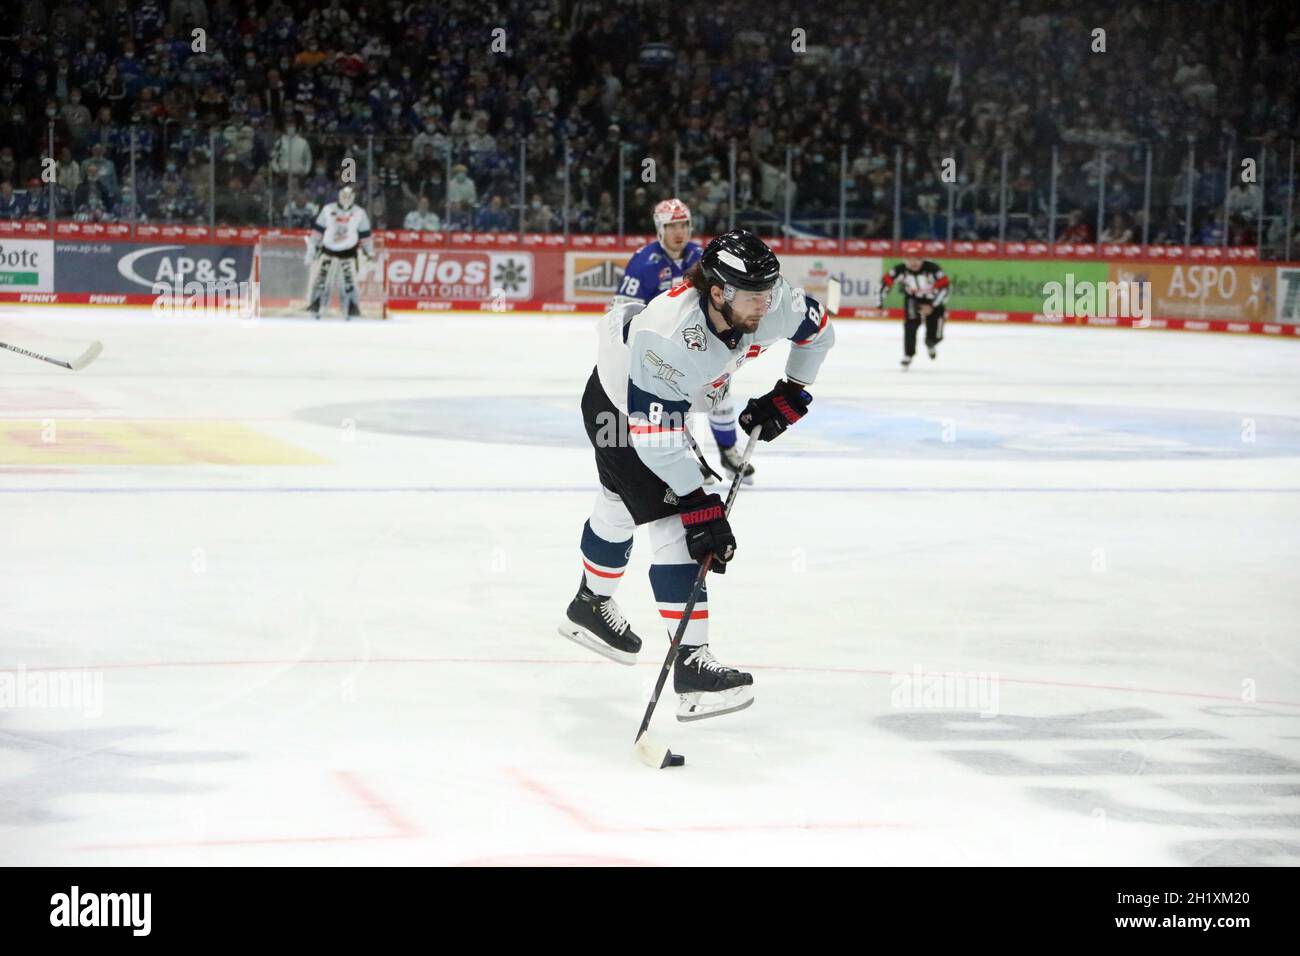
<point>539,217</point>
<point>126,209</point>
<point>40,195</point>
<point>1172,230</point>
<point>494,217</point>
<point>431,182</point>
<point>235,206</point>
<point>312,55</point>
<point>1211,232</point>
<point>1118,230</point>
<point>320,186</point>
<point>94,210</point>
<point>171,206</point>
<point>69,171</point>
<point>431,138</point>
<point>461,189</point>
<point>211,106</point>
<point>1244,200</point>
<point>299,212</point>
<point>197,173</point>
<point>92,188</point>
<point>1240,232</point>
<point>1076,231</point>
<point>606,218</point>
<point>422,217</point>
<point>12,205</point>
<point>106,169</point>
<point>457,216</point>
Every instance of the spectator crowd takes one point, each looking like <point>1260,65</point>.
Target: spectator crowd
<point>548,115</point>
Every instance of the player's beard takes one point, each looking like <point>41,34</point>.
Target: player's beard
<point>735,322</point>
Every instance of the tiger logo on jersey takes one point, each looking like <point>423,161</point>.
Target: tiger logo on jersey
<point>695,339</point>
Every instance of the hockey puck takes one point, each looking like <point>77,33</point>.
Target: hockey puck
<point>673,760</point>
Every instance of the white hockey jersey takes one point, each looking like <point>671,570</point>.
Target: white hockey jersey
<point>662,361</point>
<point>339,229</point>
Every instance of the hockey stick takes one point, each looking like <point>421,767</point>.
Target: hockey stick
<point>833,297</point>
<point>650,751</point>
<point>77,364</point>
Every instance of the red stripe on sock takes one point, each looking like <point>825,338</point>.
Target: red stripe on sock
<point>677,615</point>
<point>602,574</point>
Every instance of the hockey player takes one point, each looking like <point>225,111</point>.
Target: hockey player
<point>658,267</point>
<point>339,231</point>
<point>925,289</point>
<point>655,364</point>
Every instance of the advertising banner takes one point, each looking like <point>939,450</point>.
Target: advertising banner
<point>137,268</point>
<point>1288,295</point>
<point>859,276</point>
<point>444,272</point>
<point>595,276</point>
<point>26,265</point>
<point>1009,286</point>
<point>1217,291</point>
<point>461,274</point>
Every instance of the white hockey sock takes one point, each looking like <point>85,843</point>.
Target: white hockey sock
<point>606,543</point>
<point>672,576</point>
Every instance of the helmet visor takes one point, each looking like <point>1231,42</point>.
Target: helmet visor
<point>749,301</point>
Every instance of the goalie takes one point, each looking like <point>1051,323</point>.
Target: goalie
<point>341,228</point>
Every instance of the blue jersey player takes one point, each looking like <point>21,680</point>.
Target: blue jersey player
<point>658,267</point>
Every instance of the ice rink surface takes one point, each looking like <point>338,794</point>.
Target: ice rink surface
<point>1035,602</point>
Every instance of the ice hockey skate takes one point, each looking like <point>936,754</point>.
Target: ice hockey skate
<point>934,352</point>
<point>732,464</point>
<point>707,688</point>
<point>597,623</point>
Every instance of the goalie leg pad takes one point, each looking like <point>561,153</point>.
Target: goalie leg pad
<point>351,294</point>
<point>320,283</point>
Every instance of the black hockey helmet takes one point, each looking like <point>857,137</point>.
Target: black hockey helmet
<point>742,260</point>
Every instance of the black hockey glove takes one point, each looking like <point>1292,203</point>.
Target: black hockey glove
<point>776,411</point>
<point>707,530</point>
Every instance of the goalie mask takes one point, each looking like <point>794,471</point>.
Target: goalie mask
<point>346,197</point>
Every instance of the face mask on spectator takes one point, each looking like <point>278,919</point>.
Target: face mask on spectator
<point>291,130</point>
